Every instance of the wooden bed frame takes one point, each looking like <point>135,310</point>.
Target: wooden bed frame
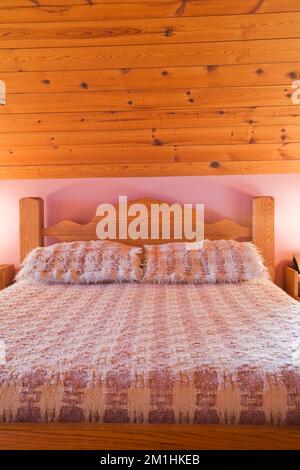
<point>149,436</point>
<point>261,231</point>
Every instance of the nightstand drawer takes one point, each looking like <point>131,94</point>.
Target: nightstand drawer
<point>7,274</point>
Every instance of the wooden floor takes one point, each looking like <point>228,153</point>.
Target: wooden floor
<point>133,437</point>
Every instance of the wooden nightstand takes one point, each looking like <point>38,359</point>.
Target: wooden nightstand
<point>7,274</point>
<point>291,282</point>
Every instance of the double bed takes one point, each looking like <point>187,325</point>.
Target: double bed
<point>204,354</point>
<point>157,359</point>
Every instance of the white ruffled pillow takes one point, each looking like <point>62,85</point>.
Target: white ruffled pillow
<point>214,261</point>
<point>83,262</point>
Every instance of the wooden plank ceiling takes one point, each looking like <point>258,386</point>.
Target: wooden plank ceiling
<point>149,87</point>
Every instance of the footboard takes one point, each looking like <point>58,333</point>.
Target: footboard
<point>147,437</point>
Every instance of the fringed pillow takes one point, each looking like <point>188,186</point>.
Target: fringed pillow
<point>83,262</point>
<point>210,261</point>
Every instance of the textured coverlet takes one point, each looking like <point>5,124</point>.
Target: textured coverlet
<point>226,353</point>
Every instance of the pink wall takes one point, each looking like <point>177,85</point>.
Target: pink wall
<point>228,196</point>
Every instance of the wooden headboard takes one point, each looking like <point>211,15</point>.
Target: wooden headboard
<point>261,231</point>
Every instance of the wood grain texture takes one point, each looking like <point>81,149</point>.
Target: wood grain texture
<point>214,156</point>
<point>67,230</point>
<point>89,154</point>
<point>151,78</point>
<point>116,170</point>
<point>31,215</point>
<point>61,10</point>
<point>7,274</point>
<point>149,87</point>
<point>147,99</point>
<point>149,31</point>
<point>147,437</point>
<point>150,119</point>
<point>31,224</point>
<point>263,229</point>
<point>158,137</point>
<point>273,153</point>
<point>153,55</point>
<point>291,280</point>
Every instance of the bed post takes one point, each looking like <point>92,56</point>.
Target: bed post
<point>263,229</point>
<point>31,224</point>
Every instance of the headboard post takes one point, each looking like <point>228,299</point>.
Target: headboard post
<point>263,229</point>
<point>31,224</point>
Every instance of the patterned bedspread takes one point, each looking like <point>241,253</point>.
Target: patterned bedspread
<point>150,353</point>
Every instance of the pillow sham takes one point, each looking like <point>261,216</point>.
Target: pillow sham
<point>83,262</point>
<point>210,261</point>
